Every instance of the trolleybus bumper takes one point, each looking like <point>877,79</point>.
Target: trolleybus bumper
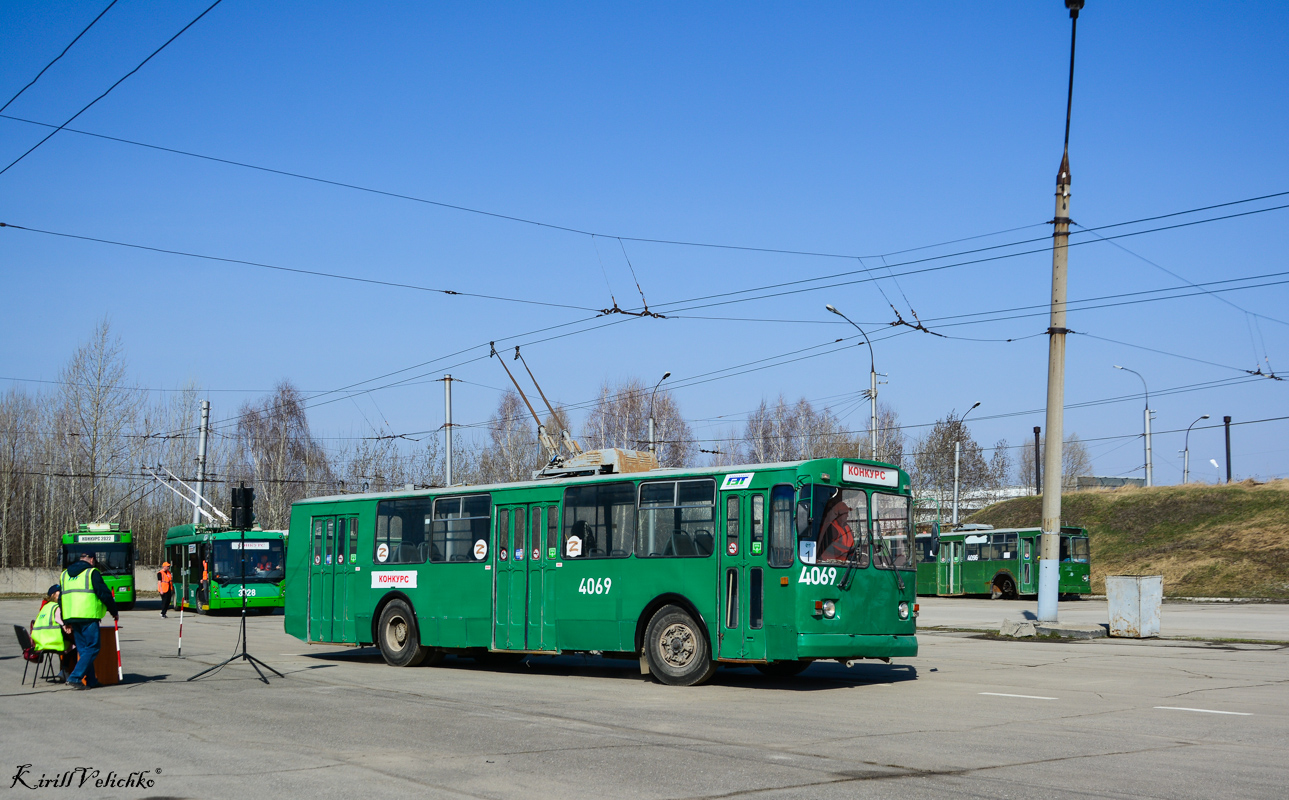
<point>853,645</point>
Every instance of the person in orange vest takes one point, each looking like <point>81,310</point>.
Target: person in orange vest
<point>836,539</point>
<point>205,582</point>
<point>165,587</point>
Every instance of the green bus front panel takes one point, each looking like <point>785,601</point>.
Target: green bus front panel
<point>257,595</point>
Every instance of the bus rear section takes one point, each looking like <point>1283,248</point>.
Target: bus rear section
<point>1002,563</point>
<point>770,566</point>
<point>113,551</point>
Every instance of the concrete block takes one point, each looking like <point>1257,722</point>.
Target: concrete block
<point>1018,629</point>
<point>1134,604</point>
<point>1072,631</point>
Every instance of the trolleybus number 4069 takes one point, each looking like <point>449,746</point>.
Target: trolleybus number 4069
<point>820,576</point>
<point>595,586</point>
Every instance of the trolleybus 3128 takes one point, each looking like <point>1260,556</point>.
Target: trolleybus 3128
<point>113,551</point>
<point>1002,562</point>
<point>771,565</point>
<point>207,565</point>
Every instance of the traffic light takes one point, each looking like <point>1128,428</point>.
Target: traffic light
<point>243,508</point>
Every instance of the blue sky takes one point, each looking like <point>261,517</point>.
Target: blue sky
<point>855,130</point>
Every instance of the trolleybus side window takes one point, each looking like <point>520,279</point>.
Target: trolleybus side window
<point>841,529</point>
<point>893,517</point>
<point>552,532</point>
<point>758,523</point>
<point>676,518</point>
<point>402,528</point>
<point>460,529</point>
<point>973,543</point>
<point>1005,545</point>
<point>781,527</point>
<point>317,540</point>
<point>353,540</point>
<point>599,520</point>
<point>755,591</point>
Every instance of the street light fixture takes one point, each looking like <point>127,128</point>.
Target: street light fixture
<point>957,450</point>
<point>664,377</point>
<point>1186,458</point>
<point>872,385</point>
<point>1150,470</point>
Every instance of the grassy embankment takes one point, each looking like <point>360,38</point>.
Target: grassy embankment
<point>1208,541</point>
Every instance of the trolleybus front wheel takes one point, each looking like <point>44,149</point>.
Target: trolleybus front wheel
<point>783,669</point>
<point>398,637</point>
<point>677,650</point>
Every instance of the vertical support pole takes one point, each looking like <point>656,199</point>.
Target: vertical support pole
<point>1038,461</point>
<point>957,450</point>
<point>1226,421</point>
<point>201,460</point>
<point>872,420</point>
<point>447,429</point>
<point>1150,467</point>
<point>1186,465</point>
<point>651,443</point>
<point>1049,564</point>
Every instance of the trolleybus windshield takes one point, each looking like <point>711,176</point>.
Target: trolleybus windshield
<point>892,514</point>
<point>263,560</point>
<point>840,525</point>
<point>111,559</point>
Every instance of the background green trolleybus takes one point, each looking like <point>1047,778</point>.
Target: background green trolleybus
<point>978,559</point>
<point>114,550</point>
<point>683,568</point>
<point>189,547</point>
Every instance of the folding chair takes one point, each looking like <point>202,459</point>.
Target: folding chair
<point>44,659</point>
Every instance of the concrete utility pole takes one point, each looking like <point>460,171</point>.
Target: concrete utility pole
<point>1150,461</point>
<point>201,459</point>
<point>1226,421</point>
<point>1049,565</point>
<point>872,387</point>
<point>447,429</point>
<point>1186,453</point>
<point>957,452</point>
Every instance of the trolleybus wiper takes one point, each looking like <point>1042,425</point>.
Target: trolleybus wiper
<point>890,559</point>
<point>852,561</point>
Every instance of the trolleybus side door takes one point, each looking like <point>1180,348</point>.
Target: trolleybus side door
<point>321,580</point>
<point>742,584</point>
<point>950,568</point>
<point>347,581</point>
<point>1026,566</point>
<point>541,560</point>
<point>510,566</point>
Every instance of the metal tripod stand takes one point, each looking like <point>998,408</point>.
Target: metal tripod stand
<point>244,656</point>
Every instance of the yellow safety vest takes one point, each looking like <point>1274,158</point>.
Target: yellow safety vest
<point>47,634</point>
<point>78,599</point>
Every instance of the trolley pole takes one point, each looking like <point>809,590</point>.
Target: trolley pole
<point>447,429</point>
<point>1049,554</point>
<point>201,462</point>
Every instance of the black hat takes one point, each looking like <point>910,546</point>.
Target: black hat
<point>54,588</point>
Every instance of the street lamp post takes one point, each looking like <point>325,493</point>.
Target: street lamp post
<point>872,385</point>
<point>1186,453</point>
<point>957,450</point>
<point>1150,470</point>
<point>664,377</point>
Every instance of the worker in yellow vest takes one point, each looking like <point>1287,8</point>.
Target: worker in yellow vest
<point>49,633</point>
<point>84,600</point>
<point>165,587</point>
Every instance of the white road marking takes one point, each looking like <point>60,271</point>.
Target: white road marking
<point>1205,711</point>
<point>1025,696</point>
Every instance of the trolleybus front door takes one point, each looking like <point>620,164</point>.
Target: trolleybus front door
<point>510,626</point>
<point>742,606</point>
<point>950,568</point>
<point>542,543</point>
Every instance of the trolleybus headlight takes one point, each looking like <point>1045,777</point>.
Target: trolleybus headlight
<point>830,609</point>
<point>904,610</point>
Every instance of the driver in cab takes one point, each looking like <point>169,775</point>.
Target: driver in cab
<point>264,566</point>
<point>836,539</point>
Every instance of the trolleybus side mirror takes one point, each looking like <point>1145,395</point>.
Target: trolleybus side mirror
<point>935,537</point>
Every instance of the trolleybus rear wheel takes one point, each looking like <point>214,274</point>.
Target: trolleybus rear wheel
<point>1003,587</point>
<point>677,650</point>
<point>783,669</point>
<point>398,637</point>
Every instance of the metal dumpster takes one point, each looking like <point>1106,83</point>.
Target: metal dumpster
<point>1135,602</point>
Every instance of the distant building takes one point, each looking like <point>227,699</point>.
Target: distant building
<point>1105,482</point>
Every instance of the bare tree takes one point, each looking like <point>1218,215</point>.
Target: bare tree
<point>284,460</point>
<point>513,452</point>
<point>790,432</point>
<point>96,417</point>
<point>1075,461</point>
<point>620,418</point>
<point>933,460</point>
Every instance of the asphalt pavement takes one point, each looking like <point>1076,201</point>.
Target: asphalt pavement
<point>969,717</point>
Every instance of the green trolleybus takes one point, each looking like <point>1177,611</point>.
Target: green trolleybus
<point>769,565</point>
<point>113,549</point>
<point>979,559</point>
<point>207,564</point>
